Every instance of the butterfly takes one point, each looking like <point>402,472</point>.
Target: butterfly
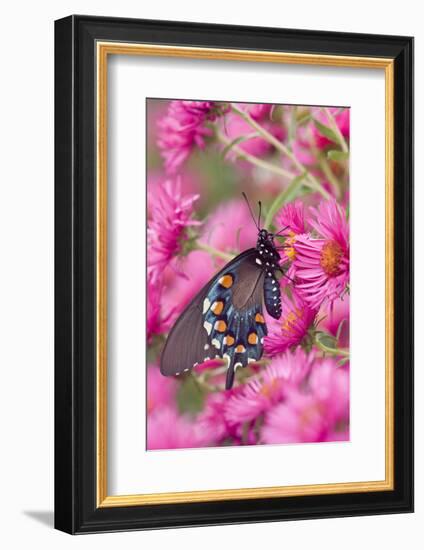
<point>225,319</point>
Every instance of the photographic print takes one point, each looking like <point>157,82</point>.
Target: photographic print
<point>248,274</point>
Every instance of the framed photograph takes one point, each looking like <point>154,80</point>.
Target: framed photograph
<point>234,274</point>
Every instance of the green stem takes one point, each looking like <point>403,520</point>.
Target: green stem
<point>213,251</point>
<point>282,198</point>
<point>336,129</point>
<point>283,149</point>
<point>325,167</point>
<point>254,160</point>
<point>332,351</point>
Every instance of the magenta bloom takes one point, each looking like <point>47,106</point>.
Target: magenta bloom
<point>299,419</point>
<point>166,429</point>
<point>318,413</point>
<point>258,111</point>
<point>236,127</point>
<point>230,227</point>
<point>292,216</point>
<point>292,327</point>
<point>157,323</point>
<point>182,129</point>
<point>322,264</point>
<point>170,214</point>
<point>341,118</point>
<point>268,388</point>
<point>160,390</point>
<point>212,419</point>
<point>193,272</point>
<point>336,319</point>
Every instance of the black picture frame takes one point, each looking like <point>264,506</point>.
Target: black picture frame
<point>76,508</point>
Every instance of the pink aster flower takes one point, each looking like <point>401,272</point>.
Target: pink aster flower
<point>235,127</point>
<point>268,388</point>
<point>302,145</point>
<point>157,323</point>
<point>166,429</point>
<point>341,118</point>
<point>193,271</point>
<point>322,264</point>
<point>291,216</point>
<point>182,129</point>
<point>212,419</point>
<point>319,413</point>
<point>258,111</point>
<point>330,385</point>
<point>299,419</point>
<point>230,227</point>
<point>336,319</point>
<point>161,390</point>
<point>293,325</point>
<point>170,213</point>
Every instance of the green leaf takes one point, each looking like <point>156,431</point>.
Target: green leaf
<point>190,396</point>
<point>338,156</point>
<point>326,340</point>
<point>287,195</point>
<point>237,141</point>
<point>326,131</point>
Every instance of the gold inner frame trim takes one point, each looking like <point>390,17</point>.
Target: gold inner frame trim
<point>104,49</point>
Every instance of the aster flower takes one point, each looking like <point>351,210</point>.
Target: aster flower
<point>318,413</point>
<point>166,429</point>
<point>258,111</point>
<point>291,216</point>
<point>341,118</point>
<point>293,325</point>
<point>322,264</point>
<point>335,319</point>
<point>194,271</point>
<point>267,389</point>
<point>157,323</point>
<point>161,390</point>
<point>212,420</point>
<point>235,127</point>
<point>170,214</point>
<point>229,227</point>
<point>182,129</point>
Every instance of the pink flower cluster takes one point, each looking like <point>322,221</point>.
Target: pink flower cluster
<point>298,398</point>
<point>299,391</point>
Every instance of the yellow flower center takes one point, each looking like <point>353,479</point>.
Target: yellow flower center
<point>331,255</point>
<point>290,251</point>
<point>269,388</point>
<point>290,319</point>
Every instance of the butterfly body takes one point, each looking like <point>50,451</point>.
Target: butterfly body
<point>225,319</point>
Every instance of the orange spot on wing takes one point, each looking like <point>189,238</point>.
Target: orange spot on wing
<point>252,338</point>
<point>221,326</point>
<point>240,348</point>
<point>229,340</point>
<point>226,281</point>
<point>259,318</point>
<point>217,307</point>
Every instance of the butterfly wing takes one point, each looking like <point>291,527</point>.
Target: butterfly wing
<point>224,320</point>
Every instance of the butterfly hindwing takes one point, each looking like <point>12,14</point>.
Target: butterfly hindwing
<point>224,320</point>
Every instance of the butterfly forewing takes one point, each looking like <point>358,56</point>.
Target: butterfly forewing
<point>224,320</point>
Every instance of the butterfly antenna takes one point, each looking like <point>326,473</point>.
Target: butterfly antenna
<point>281,230</point>
<point>250,209</point>
<point>259,215</point>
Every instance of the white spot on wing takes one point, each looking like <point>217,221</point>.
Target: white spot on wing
<point>237,365</point>
<point>206,346</point>
<point>216,343</point>
<point>206,305</point>
<point>258,261</point>
<point>207,326</point>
